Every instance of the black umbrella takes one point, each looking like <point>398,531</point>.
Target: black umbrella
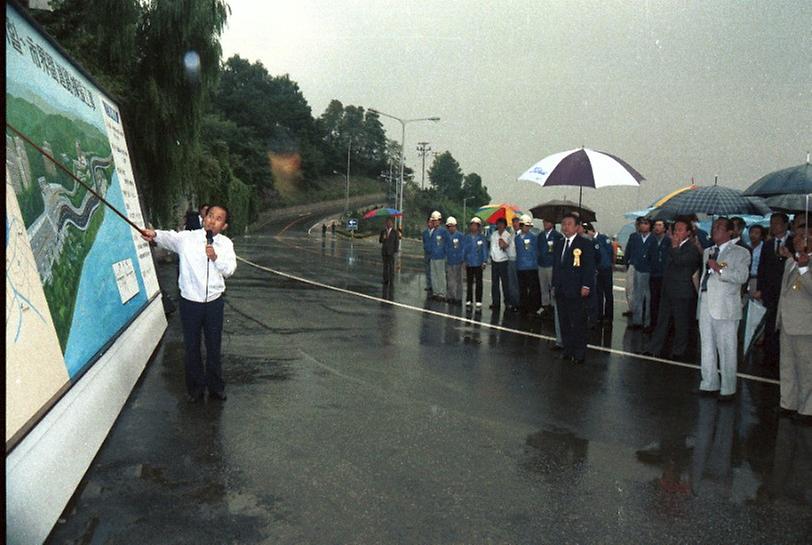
<point>789,181</point>
<point>554,211</point>
<point>789,204</point>
<point>712,200</point>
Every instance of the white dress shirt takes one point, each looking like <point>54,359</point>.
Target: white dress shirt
<point>567,242</point>
<point>498,254</point>
<point>756,253</point>
<point>195,265</point>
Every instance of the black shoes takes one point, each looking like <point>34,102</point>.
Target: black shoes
<point>554,347</point>
<point>802,419</point>
<point>628,313</point>
<point>706,393</point>
<point>728,397</point>
<point>786,412</point>
<point>221,396</point>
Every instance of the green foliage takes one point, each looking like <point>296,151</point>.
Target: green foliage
<point>473,189</point>
<point>420,203</point>
<point>357,130</point>
<point>446,176</point>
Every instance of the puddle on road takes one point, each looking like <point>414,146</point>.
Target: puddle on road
<point>252,370</point>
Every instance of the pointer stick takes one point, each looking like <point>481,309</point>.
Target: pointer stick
<point>69,173</point>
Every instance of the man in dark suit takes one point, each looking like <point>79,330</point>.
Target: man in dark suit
<point>194,220</point>
<point>768,286</point>
<point>659,261</point>
<point>573,280</point>
<point>738,231</point>
<point>678,292</point>
<point>389,239</point>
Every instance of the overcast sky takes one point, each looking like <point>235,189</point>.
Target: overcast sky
<point>677,89</point>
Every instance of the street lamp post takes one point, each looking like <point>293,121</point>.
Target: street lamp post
<point>403,123</point>
<point>464,209</point>
<point>347,202</point>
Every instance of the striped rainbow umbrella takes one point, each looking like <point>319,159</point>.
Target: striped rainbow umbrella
<point>492,212</point>
<point>383,213</point>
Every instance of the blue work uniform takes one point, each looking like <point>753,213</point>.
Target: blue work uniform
<point>604,302</point>
<point>474,250</point>
<point>526,251</point>
<point>427,256</point>
<point>454,248</point>
<point>438,243</point>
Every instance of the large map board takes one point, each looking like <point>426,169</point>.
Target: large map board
<point>76,274</point>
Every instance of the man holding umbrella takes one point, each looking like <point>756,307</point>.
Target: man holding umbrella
<point>389,240</point>
<point>573,280</point>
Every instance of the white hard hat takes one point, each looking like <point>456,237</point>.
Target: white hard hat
<point>526,219</point>
<point>436,215</point>
<point>476,220</point>
<point>451,220</point>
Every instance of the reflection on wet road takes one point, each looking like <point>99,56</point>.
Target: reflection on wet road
<point>358,416</point>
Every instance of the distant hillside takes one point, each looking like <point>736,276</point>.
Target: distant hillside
<point>326,188</point>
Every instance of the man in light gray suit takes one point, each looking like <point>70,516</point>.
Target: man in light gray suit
<point>794,311</point>
<point>726,268</point>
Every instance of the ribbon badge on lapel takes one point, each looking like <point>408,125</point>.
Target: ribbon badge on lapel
<point>576,255</point>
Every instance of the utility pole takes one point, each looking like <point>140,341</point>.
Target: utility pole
<point>423,150</point>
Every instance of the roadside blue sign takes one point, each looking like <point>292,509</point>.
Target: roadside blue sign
<point>352,224</point>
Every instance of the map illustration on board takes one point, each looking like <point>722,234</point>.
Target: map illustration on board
<point>91,270</point>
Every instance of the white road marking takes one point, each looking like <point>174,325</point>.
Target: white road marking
<point>486,324</point>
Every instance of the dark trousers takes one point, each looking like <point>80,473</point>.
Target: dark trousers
<point>656,290</point>
<point>205,318</point>
<point>772,347</point>
<point>473,275</point>
<point>529,290</point>
<point>572,315</point>
<point>680,311</point>
<point>604,296</point>
<point>388,268</point>
<point>499,275</point>
<point>427,265</point>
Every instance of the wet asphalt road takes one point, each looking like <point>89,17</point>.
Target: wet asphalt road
<point>350,420</point>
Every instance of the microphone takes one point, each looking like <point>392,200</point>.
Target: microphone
<point>209,237</point>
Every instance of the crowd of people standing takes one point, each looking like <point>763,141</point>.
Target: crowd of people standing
<point>680,281</point>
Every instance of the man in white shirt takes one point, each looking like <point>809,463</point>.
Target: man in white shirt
<point>206,258</point>
<point>501,243</point>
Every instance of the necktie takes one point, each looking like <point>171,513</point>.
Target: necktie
<point>566,249</point>
<point>777,245</point>
<point>713,255</point>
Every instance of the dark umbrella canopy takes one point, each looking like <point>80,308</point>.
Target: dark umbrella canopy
<point>789,204</point>
<point>795,180</point>
<point>554,211</point>
<point>712,200</point>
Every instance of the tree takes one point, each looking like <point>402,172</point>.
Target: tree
<point>473,189</point>
<point>445,175</point>
<point>171,96</point>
